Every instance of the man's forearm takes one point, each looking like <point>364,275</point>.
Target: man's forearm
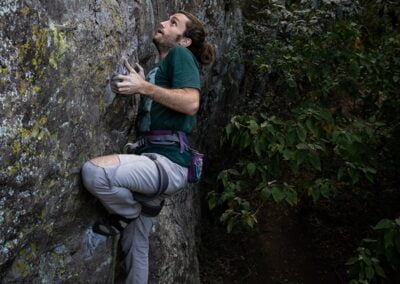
<point>184,100</point>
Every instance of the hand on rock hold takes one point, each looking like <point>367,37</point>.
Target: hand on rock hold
<point>139,69</point>
<point>131,83</point>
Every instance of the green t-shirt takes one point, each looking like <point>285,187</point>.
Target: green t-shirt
<point>179,69</point>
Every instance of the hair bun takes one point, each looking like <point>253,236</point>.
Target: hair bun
<point>207,53</point>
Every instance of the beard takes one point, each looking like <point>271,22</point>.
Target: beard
<point>163,43</point>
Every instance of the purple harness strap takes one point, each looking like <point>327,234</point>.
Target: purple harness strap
<point>182,143</point>
<point>165,137</point>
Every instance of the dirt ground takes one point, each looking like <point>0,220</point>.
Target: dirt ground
<point>282,250</point>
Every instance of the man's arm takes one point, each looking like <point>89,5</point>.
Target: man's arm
<point>185,100</point>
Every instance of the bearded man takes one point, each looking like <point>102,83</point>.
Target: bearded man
<point>132,187</point>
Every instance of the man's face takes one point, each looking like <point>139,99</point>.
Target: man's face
<point>170,32</point>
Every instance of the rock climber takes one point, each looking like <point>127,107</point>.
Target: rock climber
<point>132,187</point>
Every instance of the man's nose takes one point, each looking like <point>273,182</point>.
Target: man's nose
<point>162,24</point>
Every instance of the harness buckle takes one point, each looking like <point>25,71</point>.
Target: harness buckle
<point>130,148</point>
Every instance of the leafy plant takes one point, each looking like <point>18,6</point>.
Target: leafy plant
<point>373,253</point>
<point>308,155</point>
<point>339,127</point>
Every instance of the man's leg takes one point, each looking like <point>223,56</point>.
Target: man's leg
<point>113,178</point>
<point>135,245</point>
<point>135,238</point>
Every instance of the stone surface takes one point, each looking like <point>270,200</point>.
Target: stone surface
<point>57,111</point>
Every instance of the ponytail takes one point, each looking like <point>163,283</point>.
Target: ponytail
<point>207,54</point>
<point>203,50</point>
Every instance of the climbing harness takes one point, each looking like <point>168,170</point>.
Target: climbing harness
<point>159,137</point>
<point>164,137</point>
<point>169,137</point>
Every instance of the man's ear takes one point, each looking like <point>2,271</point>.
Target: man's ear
<point>185,41</point>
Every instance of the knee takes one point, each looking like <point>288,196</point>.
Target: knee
<point>90,174</point>
<point>87,170</point>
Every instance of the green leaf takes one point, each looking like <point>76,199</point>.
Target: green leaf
<point>248,220</point>
<point>257,149</point>
<point>291,83</point>
<point>294,165</point>
<point>233,172</point>
<point>231,224</point>
<point>311,128</point>
<point>302,155</point>
<point>253,127</point>
<point>361,274</point>
<point>224,216</point>
<point>277,194</point>
<point>245,141</point>
<point>341,172</point>
<point>212,201</point>
<point>325,114</point>
<point>353,174</point>
<point>291,197</point>
<point>265,193</point>
<point>370,170</point>
<point>302,146</point>
<point>314,160</point>
<point>367,260</point>
<point>397,242</point>
<point>369,272</point>
<point>316,194</point>
<point>326,190</point>
<point>369,240</point>
<point>388,239</point>
<point>287,155</point>
<point>291,136</point>
<point>301,132</point>
<point>246,205</point>
<point>352,260</point>
<point>251,169</point>
<point>379,271</point>
<point>369,177</point>
<point>383,224</point>
<point>228,130</point>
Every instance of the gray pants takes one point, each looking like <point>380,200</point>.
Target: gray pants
<point>114,185</point>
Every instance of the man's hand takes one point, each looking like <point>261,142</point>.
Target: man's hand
<point>139,69</point>
<point>131,83</point>
<point>184,100</point>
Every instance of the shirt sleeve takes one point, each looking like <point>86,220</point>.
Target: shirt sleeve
<point>183,69</point>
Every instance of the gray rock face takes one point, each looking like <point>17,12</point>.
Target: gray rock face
<point>57,111</point>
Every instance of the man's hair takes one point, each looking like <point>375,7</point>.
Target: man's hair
<point>203,50</point>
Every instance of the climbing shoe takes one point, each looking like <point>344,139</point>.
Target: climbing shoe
<point>113,226</point>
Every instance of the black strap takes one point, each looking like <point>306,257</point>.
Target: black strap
<point>151,211</point>
<point>162,185</point>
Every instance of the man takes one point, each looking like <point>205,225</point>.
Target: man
<point>132,187</point>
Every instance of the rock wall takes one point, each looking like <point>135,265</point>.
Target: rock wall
<point>57,111</point>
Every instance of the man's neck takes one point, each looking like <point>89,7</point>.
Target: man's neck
<point>161,55</point>
<point>163,51</point>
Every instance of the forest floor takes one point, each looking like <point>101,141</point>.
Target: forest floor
<point>284,249</point>
<point>307,244</point>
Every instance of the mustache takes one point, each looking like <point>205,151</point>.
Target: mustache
<point>160,29</point>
